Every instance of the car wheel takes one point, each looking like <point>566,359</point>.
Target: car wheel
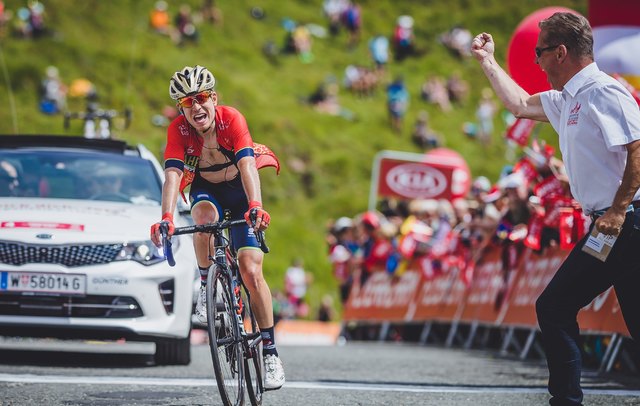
<point>173,351</point>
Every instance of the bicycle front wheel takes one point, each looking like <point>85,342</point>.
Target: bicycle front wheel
<point>224,339</point>
<point>253,354</point>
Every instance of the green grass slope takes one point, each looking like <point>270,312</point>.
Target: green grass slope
<point>109,43</point>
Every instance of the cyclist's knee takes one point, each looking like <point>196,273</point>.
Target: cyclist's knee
<point>204,212</point>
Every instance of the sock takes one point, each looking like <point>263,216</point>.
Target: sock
<point>204,272</point>
<point>268,341</point>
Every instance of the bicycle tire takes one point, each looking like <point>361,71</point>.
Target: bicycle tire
<point>253,364</point>
<point>224,339</point>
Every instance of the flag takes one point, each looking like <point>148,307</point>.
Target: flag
<point>520,131</point>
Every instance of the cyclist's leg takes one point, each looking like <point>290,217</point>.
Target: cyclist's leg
<point>203,210</point>
<point>250,259</point>
<point>250,263</point>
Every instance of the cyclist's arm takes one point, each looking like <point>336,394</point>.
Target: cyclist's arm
<point>250,178</point>
<point>170,189</point>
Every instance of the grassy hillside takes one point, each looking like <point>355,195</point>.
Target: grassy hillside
<point>109,43</point>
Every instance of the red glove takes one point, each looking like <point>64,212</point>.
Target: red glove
<point>262,218</point>
<point>155,228</point>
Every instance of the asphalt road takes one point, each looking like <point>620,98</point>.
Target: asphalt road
<point>99,374</point>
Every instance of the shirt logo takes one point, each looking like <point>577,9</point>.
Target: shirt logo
<point>190,161</point>
<point>574,114</point>
<point>184,130</point>
<point>223,125</point>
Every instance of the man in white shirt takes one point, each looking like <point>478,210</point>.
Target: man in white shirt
<point>598,123</point>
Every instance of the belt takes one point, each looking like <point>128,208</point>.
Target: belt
<point>633,206</point>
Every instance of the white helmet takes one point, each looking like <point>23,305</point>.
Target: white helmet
<point>189,81</point>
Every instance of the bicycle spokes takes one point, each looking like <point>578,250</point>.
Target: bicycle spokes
<point>224,340</point>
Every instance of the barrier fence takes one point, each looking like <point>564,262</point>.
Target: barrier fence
<point>495,297</point>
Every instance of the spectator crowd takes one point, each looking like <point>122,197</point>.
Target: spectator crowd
<point>530,206</point>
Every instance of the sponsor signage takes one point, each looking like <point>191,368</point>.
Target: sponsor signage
<point>439,174</point>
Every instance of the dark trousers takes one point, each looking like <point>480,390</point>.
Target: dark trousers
<point>578,281</point>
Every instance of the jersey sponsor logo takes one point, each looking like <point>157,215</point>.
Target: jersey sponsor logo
<point>184,130</point>
<point>223,125</point>
<point>190,163</point>
<point>416,181</point>
<point>574,114</point>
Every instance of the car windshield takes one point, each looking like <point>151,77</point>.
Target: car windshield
<point>83,175</point>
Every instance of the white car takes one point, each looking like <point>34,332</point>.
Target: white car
<point>76,260</point>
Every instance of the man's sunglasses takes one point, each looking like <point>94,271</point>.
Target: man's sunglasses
<point>539,51</point>
<point>199,98</point>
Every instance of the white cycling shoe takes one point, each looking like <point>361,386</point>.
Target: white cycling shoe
<point>201,305</point>
<point>274,372</point>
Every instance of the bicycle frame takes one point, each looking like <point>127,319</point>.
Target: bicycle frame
<point>224,260</point>
<point>226,274</point>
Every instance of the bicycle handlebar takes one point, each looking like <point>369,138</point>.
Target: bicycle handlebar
<point>202,228</point>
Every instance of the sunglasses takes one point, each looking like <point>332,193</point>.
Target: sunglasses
<point>539,51</point>
<point>199,98</point>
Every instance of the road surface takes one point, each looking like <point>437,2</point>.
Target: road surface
<point>99,374</point>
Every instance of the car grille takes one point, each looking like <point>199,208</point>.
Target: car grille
<point>68,255</point>
<point>69,306</point>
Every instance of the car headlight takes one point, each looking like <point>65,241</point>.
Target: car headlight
<point>144,252</point>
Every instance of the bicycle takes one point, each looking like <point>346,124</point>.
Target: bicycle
<point>97,122</point>
<point>234,337</point>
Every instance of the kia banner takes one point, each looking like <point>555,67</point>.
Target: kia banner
<point>438,174</point>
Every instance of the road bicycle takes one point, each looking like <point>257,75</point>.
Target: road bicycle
<point>234,336</point>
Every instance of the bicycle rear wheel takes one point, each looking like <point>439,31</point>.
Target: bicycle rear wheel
<point>253,354</point>
<point>224,339</point>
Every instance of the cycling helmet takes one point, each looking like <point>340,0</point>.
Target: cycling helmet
<point>189,81</point>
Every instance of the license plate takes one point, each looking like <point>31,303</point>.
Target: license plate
<point>75,284</point>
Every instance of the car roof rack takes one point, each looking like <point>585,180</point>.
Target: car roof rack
<point>61,141</point>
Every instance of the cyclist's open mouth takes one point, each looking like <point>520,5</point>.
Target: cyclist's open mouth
<point>200,118</point>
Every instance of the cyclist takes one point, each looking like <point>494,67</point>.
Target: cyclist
<point>210,148</point>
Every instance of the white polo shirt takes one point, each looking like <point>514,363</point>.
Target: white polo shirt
<point>595,117</point>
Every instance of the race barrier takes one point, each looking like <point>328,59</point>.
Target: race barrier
<point>306,332</point>
<point>495,297</point>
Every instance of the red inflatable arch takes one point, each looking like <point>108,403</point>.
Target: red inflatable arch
<point>521,56</point>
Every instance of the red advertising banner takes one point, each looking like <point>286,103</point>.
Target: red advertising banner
<point>490,299</point>
<point>533,276</point>
<point>440,297</point>
<point>614,322</point>
<point>439,174</point>
<point>381,300</point>
<point>488,282</point>
<point>603,315</point>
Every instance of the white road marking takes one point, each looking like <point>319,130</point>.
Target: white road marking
<point>379,387</point>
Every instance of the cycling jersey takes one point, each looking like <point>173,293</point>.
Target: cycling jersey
<point>184,144</point>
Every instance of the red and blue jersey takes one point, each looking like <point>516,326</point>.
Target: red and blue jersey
<point>184,144</point>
